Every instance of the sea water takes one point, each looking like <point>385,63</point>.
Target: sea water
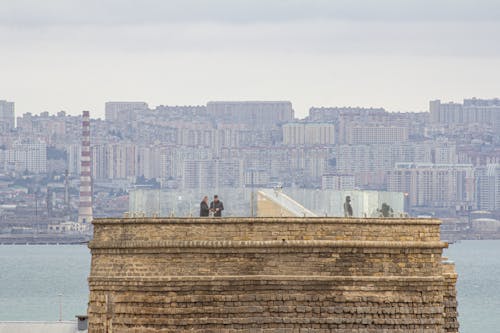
<point>33,276</point>
<point>478,266</point>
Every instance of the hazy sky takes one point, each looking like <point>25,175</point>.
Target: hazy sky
<point>76,54</point>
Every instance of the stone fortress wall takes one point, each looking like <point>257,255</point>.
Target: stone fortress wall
<point>284,274</point>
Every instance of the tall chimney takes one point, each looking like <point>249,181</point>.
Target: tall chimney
<point>85,205</point>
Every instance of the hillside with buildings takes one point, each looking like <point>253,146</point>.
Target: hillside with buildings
<point>444,163</point>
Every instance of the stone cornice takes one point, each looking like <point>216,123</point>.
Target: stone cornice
<point>266,220</point>
<point>263,244</point>
<point>278,278</point>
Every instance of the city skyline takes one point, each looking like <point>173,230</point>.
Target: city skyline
<point>227,144</point>
<point>100,112</point>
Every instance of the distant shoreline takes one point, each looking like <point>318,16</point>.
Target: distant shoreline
<point>469,235</point>
<point>44,239</point>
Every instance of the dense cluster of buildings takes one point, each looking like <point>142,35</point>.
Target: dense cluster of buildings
<point>445,161</point>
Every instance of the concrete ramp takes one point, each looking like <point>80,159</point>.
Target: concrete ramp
<point>274,203</point>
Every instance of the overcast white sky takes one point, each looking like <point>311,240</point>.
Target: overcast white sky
<point>77,54</point>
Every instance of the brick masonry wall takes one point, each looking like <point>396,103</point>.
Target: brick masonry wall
<point>450,298</point>
<point>270,275</point>
<point>261,229</point>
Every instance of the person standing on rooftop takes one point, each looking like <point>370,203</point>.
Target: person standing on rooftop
<point>217,206</point>
<point>347,207</point>
<point>204,210</point>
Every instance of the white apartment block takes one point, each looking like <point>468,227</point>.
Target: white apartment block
<point>263,114</point>
<point>480,111</point>
<point>488,187</point>
<point>316,162</point>
<point>446,113</point>
<point>148,162</point>
<point>195,137</point>
<point>2,160</point>
<point>338,182</point>
<point>74,154</point>
<point>308,134</point>
<point>170,163</point>
<point>199,174</point>
<point>229,136</point>
<point>444,153</point>
<point>230,173</point>
<point>370,163</point>
<point>7,116</point>
<point>31,157</point>
<point>121,161</point>
<point>127,160</point>
<point>123,111</point>
<point>99,162</point>
<point>436,185</point>
<point>364,134</point>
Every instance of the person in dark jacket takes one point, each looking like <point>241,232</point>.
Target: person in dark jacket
<point>204,210</point>
<point>217,206</point>
<point>347,207</point>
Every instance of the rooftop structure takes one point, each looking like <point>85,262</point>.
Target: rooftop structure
<point>270,275</point>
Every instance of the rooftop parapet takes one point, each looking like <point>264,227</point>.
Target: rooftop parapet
<point>266,229</point>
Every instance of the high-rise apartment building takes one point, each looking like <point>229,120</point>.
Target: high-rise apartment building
<point>255,114</point>
<point>229,173</point>
<point>446,113</point>
<point>199,174</point>
<point>488,187</point>
<point>100,162</point>
<point>370,163</point>
<point>308,134</point>
<point>7,116</point>
<point>74,153</point>
<point>121,161</point>
<point>195,134</point>
<point>30,156</point>
<point>365,134</point>
<point>434,185</point>
<point>338,182</point>
<point>213,174</point>
<point>333,114</point>
<point>3,153</point>
<point>148,162</point>
<point>474,110</point>
<point>124,111</point>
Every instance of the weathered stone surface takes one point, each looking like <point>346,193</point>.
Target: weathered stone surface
<point>270,275</point>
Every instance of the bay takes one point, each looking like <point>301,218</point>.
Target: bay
<point>32,277</point>
<point>478,286</point>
